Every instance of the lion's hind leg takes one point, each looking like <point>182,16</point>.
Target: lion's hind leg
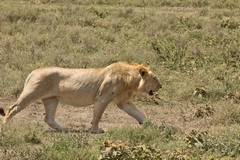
<point>25,99</point>
<point>50,105</point>
<point>12,110</point>
<point>20,104</point>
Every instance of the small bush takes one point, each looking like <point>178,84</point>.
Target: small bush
<point>118,150</point>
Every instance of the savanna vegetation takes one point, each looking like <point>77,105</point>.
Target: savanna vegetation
<point>192,45</point>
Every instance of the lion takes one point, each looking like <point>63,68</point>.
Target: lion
<point>83,87</point>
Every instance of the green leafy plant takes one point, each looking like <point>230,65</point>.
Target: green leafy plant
<point>119,150</point>
<point>196,139</point>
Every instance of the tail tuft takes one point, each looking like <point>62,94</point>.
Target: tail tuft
<point>2,112</point>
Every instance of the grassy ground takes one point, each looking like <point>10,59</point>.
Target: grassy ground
<point>193,46</point>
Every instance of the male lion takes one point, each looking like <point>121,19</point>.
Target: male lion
<point>82,87</point>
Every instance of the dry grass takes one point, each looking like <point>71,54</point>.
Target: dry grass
<point>192,45</point>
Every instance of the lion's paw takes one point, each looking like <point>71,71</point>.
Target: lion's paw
<point>99,131</point>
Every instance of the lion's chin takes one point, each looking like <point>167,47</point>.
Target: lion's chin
<point>150,93</point>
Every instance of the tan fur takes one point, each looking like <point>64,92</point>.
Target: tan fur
<point>82,87</point>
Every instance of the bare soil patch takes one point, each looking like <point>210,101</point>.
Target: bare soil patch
<point>79,118</point>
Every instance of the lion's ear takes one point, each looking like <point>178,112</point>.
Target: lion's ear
<point>143,72</point>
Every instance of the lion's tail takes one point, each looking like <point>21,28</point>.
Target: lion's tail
<point>2,112</point>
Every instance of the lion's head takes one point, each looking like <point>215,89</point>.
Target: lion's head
<point>135,77</point>
<point>149,83</point>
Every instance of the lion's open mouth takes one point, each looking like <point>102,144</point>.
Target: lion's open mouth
<point>150,93</point>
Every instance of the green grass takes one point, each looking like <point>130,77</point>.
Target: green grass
<point>192,45</point>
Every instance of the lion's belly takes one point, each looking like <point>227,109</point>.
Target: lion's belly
<point>78,91</point>
<point>77,101</point>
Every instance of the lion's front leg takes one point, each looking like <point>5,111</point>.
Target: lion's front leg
<point>130,109</point>
<point>99,108</point>
<point>50,105</point>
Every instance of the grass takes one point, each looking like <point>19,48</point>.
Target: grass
<point>193,46</point>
